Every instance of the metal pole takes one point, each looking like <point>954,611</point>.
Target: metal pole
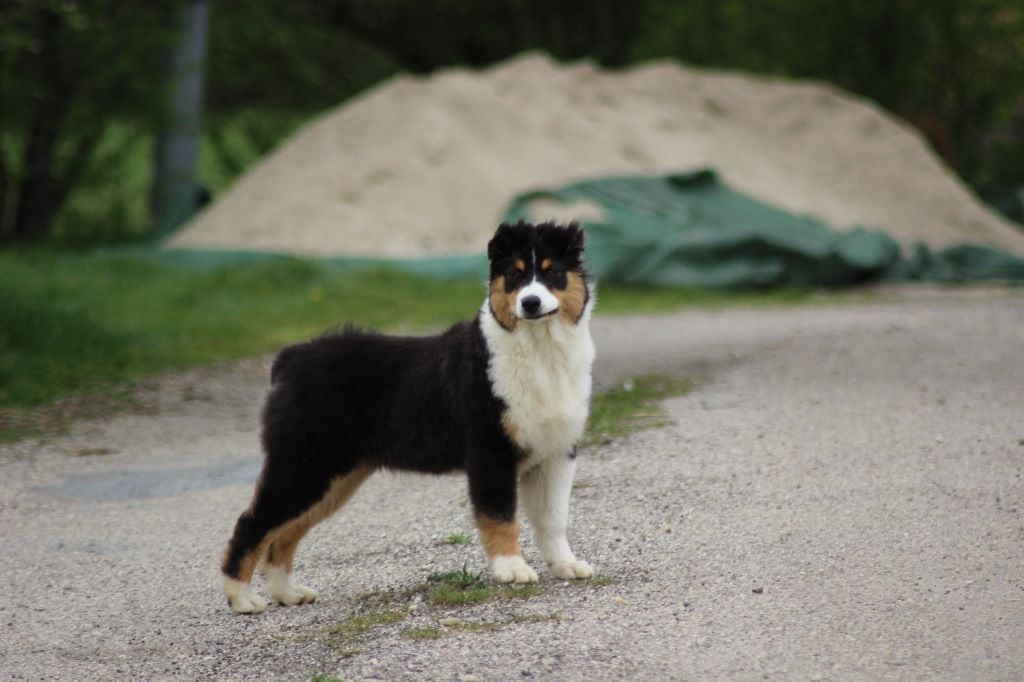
<point>175,188</point>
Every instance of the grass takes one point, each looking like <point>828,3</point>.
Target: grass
<point>457,539</point>
<point>618,299</point>
<point>87,324</point>
<point>357,625</point>
<point>458,588</point>
<point>431,602</point>
<point>631,407</point>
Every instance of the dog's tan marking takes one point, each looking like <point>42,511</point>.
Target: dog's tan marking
<point>573,298</point>
<point>281,551</point>
<point>511,430</point>
<point>499,538</point>
<point>545,264</point>
<point>279,545</point>
<point>520,265</point>
<point>503,304</point>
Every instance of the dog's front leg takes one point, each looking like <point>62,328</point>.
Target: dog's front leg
<point>493,493</point>
<point>546,490</point>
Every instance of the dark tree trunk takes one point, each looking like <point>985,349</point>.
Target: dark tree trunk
<point>36,200</point>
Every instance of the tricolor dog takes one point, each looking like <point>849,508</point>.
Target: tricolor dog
<point>503,397</point>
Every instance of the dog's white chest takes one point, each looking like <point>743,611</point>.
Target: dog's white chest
<point>542,373</point>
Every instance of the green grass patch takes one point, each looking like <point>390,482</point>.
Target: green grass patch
<point>344,637</point>
<point>458,588</point>
<point>457,539</point>
<point>430,606</point>
<point>74,323</point>
<point>426,632</point>
<point>554,616</point>
<point>632,406</point>
<point>631,299</point>
<point>357,625</point>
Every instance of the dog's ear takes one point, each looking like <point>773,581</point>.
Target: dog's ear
<point>507,239</point>
<point>573,239</point>
<point>577,239</point>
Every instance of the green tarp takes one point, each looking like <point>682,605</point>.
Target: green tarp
<point>692,230</point>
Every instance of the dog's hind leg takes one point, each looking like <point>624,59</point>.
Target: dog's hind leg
<point>245,550</point>
<point>271,529</point>
<point>281,553</point>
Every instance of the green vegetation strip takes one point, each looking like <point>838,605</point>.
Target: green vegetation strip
<point>430,606</point>
<point>87,324</point>
<point>632,406</point>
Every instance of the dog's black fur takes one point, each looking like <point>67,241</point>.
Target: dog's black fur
<point>357,399</point>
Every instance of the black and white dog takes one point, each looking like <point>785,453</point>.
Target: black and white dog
<point>503,396</point>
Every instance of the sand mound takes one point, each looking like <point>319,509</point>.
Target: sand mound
<point>421,167</point>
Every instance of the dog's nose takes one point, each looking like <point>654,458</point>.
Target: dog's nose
<point>531,304</point>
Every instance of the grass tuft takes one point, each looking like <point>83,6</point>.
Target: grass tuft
<point>457,588</point>
<point>457,539</point>
<point>632,406</point>
<point>357,625</point>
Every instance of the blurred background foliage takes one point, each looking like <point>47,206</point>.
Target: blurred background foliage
<point>83,86</point>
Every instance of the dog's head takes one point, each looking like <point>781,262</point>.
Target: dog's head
<point>537,274</point>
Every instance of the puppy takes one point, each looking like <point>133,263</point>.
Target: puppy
<point>503,397</point>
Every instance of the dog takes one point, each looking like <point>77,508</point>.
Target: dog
<point>504,397</point>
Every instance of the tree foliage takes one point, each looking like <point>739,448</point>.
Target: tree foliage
<point>72,71</point>
<point>68,69</point>
<point>954,68</point>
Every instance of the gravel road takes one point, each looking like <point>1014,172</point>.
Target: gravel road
<point>841,497</point>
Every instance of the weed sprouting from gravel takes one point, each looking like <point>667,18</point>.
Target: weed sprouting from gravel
<point>425,605</point>
<point>457,539</point>
<point>457,588</point>
<point>631,407</point>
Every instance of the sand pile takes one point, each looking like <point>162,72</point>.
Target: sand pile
<point>419,167</point>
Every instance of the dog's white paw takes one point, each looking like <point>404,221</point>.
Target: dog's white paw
<point>572,570</point>
<point>281,589</point>
<point>512,569</point>
<point>241,598</point>
<point>293,594</point>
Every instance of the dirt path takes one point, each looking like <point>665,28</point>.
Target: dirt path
<point>841,497</point>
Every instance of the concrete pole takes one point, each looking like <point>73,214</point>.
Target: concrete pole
<point>175,189</point>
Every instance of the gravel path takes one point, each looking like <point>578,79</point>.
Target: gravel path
<point>840,498</point>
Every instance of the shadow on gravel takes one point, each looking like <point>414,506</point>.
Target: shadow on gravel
<point>153,483</point>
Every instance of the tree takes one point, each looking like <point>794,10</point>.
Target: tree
<point>175,190</point>
<point>67,69</point>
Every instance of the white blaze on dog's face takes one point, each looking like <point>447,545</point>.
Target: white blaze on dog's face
<point>535,301</point>
<point>537,274</point>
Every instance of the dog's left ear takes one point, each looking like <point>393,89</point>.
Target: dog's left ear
<point>575,241</point>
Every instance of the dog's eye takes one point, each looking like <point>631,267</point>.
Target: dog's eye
<point>552,274</point>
